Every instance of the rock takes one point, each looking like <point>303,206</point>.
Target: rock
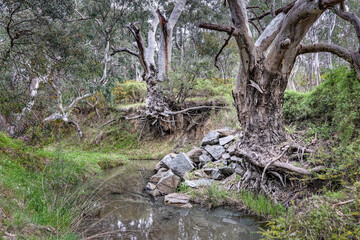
<point>150,186</point>
<point>225,156</point>
<point>158,166</point>
<point>194,154</point>
<point>215,151</point>
<point>227,171</point>
<point>199,182</point>
<point>165,161</point>
<point>238,169</point>
<point>204,159</point>
<point>231,149</point>
<point>162,170</point>
<point>172,155</point>
<point>180,164</point>
<point>188,205</point>
<point>176,198</point>
<point>223,132</point>
<point>214,173</point>
<point>155,193</point>
<point>226,140</point>
<point>231,178</point>
<point>235,159</point>
<point>156,178</point>
<point>168,183</point>
<point>210,139</point>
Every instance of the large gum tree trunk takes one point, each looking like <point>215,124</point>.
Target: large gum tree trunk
<point>259,109</point>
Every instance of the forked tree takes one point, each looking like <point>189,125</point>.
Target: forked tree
<point>264,70</point>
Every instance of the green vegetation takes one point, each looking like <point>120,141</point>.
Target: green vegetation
<point>331,113</point>
<point>40,189</point>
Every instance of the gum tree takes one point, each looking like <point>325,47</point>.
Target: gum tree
<point>264,70</point>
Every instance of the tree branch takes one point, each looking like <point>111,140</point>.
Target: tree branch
<point>353,19</point>
<point>284,9</point>
<point>321,47</point>
<point>117,50</point>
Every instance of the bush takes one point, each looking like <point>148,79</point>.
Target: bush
<point>332,106</point>
<point>129,91</point>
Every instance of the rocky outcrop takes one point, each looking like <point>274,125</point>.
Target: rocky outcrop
<point>176,198</point>
<point>214,161</point>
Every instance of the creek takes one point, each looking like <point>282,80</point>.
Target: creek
<point>127,212</point>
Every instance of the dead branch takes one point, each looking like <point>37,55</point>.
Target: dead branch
<point>343,203</point>
<point>272,161</point>
<point>222,48</point>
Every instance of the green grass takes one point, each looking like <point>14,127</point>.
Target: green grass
<point>42,191</point>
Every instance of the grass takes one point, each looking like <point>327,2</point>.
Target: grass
<point>42,191</point>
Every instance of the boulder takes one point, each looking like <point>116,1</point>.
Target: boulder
<point>176,198</point>
<point>214,173</point>
<point>211,138</point>
<point>180,164</point>
<point>165,161</point>
<point>155,193</point>
<point>168,183</point>
<point>194,154</point>
<point>226,171</point>
<point>223,132</point>
<point>215,151</point>
<point>156,178</point>
<point>226,140</point>
<point>204,159</point>
<point>199,182</point>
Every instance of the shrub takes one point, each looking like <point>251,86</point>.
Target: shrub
<point>129,91</point>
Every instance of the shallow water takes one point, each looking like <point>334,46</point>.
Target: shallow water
<point>129,213</point>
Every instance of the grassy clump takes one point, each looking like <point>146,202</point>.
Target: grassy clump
<point>41,191</point>
<point>129,91</point>
<point>334,215</point>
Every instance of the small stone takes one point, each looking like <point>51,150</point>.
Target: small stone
<point>214,173</point>
<point>204,159</point>
<point>231,149</point>
<point>215,151</point>
<point>150,186</point>
<point>199,182</point>
<point>155,193</point>
<point>210,139</point>
<point>227,171</point>
<point>188,205</point>
<point>236,159</point>
<point>223,132</point>
<point>176,198</point>
<point>231,178</point>
<point>226,140</point>
<point>225,156</point>
<point>165,161</point>
<point>168,183</point>
<point>162,170</point>
<point>194,154</point>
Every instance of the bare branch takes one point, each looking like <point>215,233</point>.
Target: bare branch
<point>321,47</point>
<point>222,48</point>
<point>284,9</point>
<point>216,27</point>
<point>176,12</point>
<point>353,19</point>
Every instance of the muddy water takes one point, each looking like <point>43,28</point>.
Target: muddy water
<point>129,213</point>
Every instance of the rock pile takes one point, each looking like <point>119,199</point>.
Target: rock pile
<point>215,160</point>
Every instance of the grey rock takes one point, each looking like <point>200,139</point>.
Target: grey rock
<point>231,149</point>
<point>226,140</point>
<point>180,164</point>
<point>150,186</point>
<point>188,205</point>
<point>231,178</point>
<point>156,178</point>
<point>223,132</point>
<point>211,138</point>
<point>168,183</point>
<point>214,173</point>
<point>215,151</point>
<point>194,154</point>
<point>165,161</point>
<point>226,171</point>
<point>238,169</point>
<point>162,170</point>
<point>225,156</point>
<point>199,182</point>
<point>204,159</point>
<point>176,198</point>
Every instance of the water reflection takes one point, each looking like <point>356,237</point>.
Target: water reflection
<point>132,215</point>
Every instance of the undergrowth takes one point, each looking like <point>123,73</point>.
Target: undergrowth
<point>41,191</point>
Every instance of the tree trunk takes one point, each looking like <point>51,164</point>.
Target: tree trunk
<point>259,109</point>
<point>154,99</point>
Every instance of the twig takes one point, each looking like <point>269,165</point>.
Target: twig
<point>222,48</point>
<point>272,161</point>
<point>343,203</point>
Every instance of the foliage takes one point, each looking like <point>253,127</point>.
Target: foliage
<point>129,91</point>
<point>331,216</point>
<point>40,189</point>
<point>332,107</point>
